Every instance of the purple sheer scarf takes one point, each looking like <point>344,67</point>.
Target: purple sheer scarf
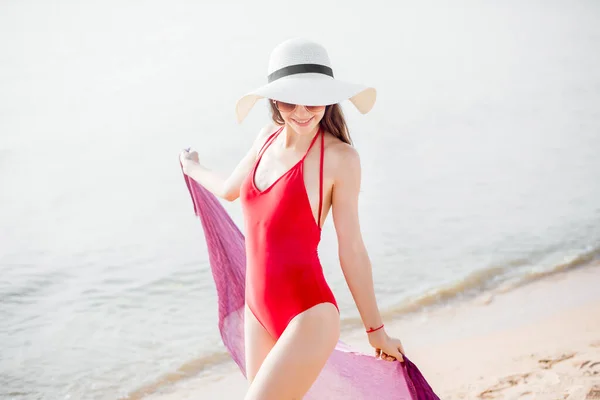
<point>348,374</point>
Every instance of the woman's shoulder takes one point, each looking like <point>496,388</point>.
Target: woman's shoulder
<point>264,134</point>
<point>341,155</point>
<point>337,148</point>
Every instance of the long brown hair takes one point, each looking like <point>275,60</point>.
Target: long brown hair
<point>333,121</point>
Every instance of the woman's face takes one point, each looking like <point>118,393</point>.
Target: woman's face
<point>302,119</point>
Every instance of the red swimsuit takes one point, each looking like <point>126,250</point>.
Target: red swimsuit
<point>284,276</point>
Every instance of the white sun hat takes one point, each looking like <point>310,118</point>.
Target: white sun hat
<point>300,73</point>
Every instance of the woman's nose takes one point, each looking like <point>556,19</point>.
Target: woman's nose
<point>301,111</point>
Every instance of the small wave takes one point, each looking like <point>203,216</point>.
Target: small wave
<point>581,260</point>
<point>187,370</point>
<point>474,283</point>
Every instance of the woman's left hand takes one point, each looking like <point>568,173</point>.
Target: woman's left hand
<point>386,347</point>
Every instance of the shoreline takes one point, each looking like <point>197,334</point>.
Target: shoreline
<point>540,340</point>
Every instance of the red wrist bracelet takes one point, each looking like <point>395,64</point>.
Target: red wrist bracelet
<point>373,330</point>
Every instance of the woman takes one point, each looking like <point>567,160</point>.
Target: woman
<point>299,168</point>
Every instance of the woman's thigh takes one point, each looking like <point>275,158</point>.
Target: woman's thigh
<point>294,363</point>
<point>257,344</point>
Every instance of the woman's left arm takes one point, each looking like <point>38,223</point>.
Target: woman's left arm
<point>353,255</point>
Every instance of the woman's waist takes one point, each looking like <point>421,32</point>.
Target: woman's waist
<point>283,275</point>
<point>278,234</point>
<point>281,261</point>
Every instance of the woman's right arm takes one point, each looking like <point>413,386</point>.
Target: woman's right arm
<point>225,188</point>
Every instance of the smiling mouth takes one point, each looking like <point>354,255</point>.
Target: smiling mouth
<point>304,122</point>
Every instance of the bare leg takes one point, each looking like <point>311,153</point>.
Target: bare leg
<point>257,342</point>
<point>299,355</point>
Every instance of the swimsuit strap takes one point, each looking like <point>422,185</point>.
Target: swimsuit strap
<point>321,177</point>
<point>268,142</point>
<point>319,132</point>
<point>314,139</point>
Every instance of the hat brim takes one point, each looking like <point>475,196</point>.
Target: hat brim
<point>309,90</point>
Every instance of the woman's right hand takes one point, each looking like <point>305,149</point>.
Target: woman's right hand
<point>186,156</point>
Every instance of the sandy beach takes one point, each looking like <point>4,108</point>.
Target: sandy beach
<point>538,341</point>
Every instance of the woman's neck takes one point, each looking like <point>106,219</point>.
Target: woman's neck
<point>294,140</point>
